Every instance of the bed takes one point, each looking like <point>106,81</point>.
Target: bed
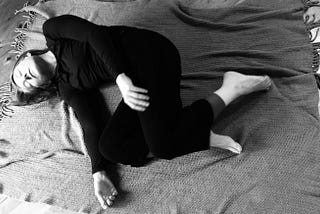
<point>43,157</point>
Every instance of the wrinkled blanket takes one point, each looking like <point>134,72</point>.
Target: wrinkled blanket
<point>44,160</point>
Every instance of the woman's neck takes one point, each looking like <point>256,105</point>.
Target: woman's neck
<point>50,58</point>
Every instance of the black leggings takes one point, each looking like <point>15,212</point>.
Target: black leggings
<point>165,128</point>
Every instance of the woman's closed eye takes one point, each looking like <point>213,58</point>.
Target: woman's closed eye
<point>27,77</point>
<point>25,83</point>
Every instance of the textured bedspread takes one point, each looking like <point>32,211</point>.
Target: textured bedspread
<point>42,154</point>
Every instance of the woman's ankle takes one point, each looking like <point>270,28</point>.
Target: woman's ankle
<point>226,94</point>
<point>217,104</point>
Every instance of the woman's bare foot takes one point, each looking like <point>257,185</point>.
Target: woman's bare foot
<point>104,189</point>
<point>246,84</point>
<point>236,84</point>
<point>224,142</point>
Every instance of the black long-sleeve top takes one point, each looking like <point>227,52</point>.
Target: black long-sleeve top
<point>86,58</point>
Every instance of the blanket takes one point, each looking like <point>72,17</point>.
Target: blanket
<point>44,160</point>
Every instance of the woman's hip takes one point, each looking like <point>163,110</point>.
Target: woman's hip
<point>139,46</point>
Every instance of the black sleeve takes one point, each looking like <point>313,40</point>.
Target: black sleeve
<point>87,109</point>
<point>76,28</point>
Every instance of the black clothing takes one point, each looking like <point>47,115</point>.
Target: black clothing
<point>86,58</point>
<point>89,55</point>
<point>85,49</point>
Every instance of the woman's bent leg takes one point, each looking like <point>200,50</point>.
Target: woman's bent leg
<point>122,139</point>
<point>234,85</point>
<point>169,129</point>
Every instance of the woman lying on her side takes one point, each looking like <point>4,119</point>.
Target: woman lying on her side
<point>150,121</point>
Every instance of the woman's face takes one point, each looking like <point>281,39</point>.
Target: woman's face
<point>27,75</point>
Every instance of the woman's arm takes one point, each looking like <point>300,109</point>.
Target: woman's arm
<point>76,28</point>
<point>88,111</point>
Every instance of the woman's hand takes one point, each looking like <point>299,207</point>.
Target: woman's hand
<point>133,96</point>
<point>104,189</point>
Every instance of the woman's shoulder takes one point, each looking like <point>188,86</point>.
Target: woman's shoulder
<point>66,91</point>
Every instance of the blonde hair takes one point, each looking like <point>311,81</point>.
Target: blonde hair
<point>36,94</point>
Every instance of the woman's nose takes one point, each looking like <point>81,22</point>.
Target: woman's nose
<point>33,81</point>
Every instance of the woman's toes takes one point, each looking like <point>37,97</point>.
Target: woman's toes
<point>253,84</point>
<point>224,142</point>
<point>246,84</point>
<point>102,201</point>
<point>269,83</point>
<point>233,150</point>
<point>238,148</point>
<point>109,202</point>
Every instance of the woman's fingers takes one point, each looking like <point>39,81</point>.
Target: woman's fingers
<point>135,97</point>
<point>137,101</point>
<point>138,95</point>
<point>137,89</point>
<point>135,107</point>
<point>137,104</point>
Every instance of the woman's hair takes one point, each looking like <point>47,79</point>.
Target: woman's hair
<point>36,94</point>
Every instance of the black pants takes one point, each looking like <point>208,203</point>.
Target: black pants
<point>165,128</point>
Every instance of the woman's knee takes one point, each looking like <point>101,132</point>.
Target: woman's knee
<point>163,153</point>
